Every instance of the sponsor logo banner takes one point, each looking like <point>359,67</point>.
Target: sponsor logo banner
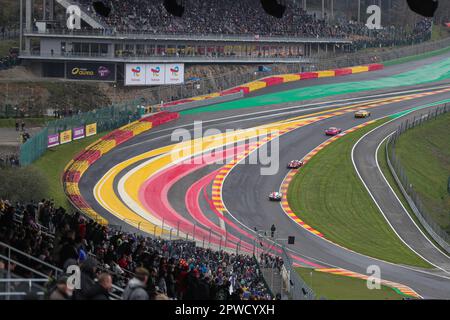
<point>65,136</point>
<point>135,75</point>
<point>91,129</point>
<point>78,133</point>
<point>52,140</point>
<point>153,74</point>
<point>91,71</point>
<point>174,73</point>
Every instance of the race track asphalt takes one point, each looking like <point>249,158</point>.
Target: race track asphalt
<point>249,206</point>
<point>245,190</point>
<point>365,160</point>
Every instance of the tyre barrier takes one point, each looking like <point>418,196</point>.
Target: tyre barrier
<point>75,169</point>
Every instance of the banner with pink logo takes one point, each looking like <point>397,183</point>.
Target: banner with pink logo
<point>78,133</point>
<point>52,140</point>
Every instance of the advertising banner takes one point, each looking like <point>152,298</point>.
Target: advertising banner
<point>174,73</point>
<point>155,74</point>
<point>78,133</point>
<point>65,136</point>
<point>91,71</point>
<point>91,129</point>
<point>52,140</point>
<point>135,75</point>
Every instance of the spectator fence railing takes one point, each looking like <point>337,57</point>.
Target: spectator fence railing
<point>404,183</point>
<point>189,37</point>
<point>25,287</point>
<point>13,255</point>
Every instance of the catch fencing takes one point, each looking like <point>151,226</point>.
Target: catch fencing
<point>106,119</point>
<point>296,288</point>
<point>399,173</point>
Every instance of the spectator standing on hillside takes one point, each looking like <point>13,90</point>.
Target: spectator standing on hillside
<point>17,125</point>
<point>22,125</point>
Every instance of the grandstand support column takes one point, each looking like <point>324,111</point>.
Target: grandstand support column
<point>332,9</point>
<point>28,22</point>
<point>323,9</point>
<point>21,26</point>
<point>51,10</point>
<point>359,11</point>
<point>44,9</point>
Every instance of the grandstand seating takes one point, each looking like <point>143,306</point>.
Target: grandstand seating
<point>246,17</point>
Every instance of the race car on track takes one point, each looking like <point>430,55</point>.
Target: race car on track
<point>275,196</point>
<point>332,131</point>
<point>295,164</point>
<point>362,114</point>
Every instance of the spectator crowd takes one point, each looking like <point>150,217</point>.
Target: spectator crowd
<point>147,268</point>
<point>245,17</point>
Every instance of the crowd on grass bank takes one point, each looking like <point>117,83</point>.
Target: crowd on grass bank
<point>147,268</point>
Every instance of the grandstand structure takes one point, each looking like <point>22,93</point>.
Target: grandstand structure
<point>48,46</point>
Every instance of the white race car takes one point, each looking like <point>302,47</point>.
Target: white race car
<point>295,164</point>
<point>275,196</point>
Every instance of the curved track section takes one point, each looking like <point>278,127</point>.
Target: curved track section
<point>364,156</point>
<point>200,188</point>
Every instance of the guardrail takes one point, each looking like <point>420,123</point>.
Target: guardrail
<point>434,230</point>
<point>165,58</point>
<point>150,35</point>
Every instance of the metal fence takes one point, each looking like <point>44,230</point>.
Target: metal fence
<point>297,289</point>
<point>108,118</point>
<point>399,173</point>
<point>9,34</point>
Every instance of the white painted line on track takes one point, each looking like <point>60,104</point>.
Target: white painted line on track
<point>401,203</point>
<point>379,208</point>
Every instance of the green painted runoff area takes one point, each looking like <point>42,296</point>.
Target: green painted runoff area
<point>432,72</point>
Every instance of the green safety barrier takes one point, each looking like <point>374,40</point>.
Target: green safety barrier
<point>108,118</point>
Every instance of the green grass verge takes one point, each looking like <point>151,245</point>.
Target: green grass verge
<point>393,183</point>
<point>337,287</point>
<point>424,152</point>
<point>54,160</point>
<point>328,195</point>
<point>29,122</point>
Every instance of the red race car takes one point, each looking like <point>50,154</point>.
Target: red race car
<point>332,131</point>
<point>295,164</point>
